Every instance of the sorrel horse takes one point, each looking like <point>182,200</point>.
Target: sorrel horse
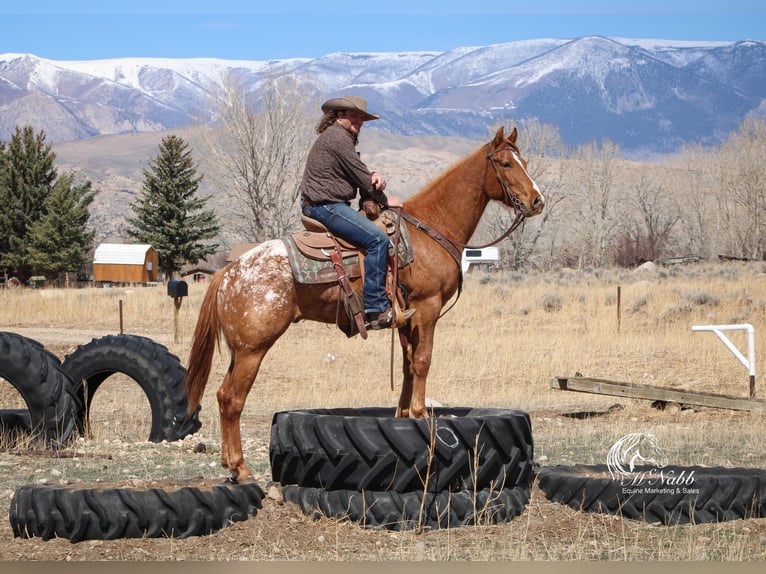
<point>255,298</point>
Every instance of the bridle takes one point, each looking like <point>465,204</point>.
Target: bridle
<point>512,198</point>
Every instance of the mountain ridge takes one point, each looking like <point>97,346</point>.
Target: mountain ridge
<point>648,96</point>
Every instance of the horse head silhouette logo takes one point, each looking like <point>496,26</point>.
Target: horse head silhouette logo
<point>634,449</point>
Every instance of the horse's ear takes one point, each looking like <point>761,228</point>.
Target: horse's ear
<point>499,136</point>
<point>514,135</point>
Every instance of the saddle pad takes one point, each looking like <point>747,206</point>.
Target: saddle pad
<point>308,270</point>
<point>405,255</point>
<point>311,271</point>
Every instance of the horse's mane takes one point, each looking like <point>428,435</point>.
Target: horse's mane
<point>442,181</point>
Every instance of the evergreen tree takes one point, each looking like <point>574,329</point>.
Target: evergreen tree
<point>58,240</point>
<point>169,216</point>
<point>27,176</point>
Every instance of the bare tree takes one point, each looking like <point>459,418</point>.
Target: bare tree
<point>549,165</point>
<point>741,190</point>
<point>691,182</point>
<point>654,215</point>
<point>259,150</point>
<point>597,214</point>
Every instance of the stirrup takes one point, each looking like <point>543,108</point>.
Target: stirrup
<point>387,319</point>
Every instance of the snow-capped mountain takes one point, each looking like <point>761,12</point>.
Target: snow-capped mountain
<point>648,96</point>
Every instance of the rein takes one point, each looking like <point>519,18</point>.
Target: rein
<point>454,247</point>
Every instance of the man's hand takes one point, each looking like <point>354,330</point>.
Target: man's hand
<point>378,181</point>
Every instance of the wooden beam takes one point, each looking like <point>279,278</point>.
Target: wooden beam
<point>639,391</point>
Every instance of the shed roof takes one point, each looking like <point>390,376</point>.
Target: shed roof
<point>195,270</point>
<point>121,253</point>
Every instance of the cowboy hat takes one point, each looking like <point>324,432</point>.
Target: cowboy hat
<point>357,103</point>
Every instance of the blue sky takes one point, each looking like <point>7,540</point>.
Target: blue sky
<point>254,30</point>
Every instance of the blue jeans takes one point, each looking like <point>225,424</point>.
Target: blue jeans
<point>347,223</point>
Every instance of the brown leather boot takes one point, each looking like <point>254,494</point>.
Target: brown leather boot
<point>384,319</point>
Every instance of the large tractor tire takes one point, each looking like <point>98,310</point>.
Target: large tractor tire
<point>668,495</point>
<point>46,388</point>
<point>411,510</point>
<point>108,511</point>
<point>15,421</point>
<point>370,449</point>
<point>158,372</point>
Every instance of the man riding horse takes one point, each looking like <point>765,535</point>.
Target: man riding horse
<point>334,172</point>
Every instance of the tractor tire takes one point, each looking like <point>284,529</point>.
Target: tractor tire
<point>107,511</point>
<point>669,495</point>
<point>45,387</point>
<point>158,372</point>
<point>370,449</point>
<point>15,421</point>
<point>402,510</point>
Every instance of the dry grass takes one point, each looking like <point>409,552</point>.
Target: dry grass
<point>507,336</point>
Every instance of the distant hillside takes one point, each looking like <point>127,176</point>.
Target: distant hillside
<point>115,165</point>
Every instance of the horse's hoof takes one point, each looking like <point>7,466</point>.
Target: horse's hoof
<point>238,477</point>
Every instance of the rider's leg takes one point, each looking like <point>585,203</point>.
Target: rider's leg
<point>345,222</point>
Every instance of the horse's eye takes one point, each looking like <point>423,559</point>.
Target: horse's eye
<point>507,165</point>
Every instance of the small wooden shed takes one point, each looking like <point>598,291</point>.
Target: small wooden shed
<point>125,263</point>
<point>198,274</point>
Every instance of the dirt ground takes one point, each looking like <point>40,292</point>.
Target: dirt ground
<point>280,531</point>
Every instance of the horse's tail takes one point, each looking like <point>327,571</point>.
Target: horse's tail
<point>206,338</point>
